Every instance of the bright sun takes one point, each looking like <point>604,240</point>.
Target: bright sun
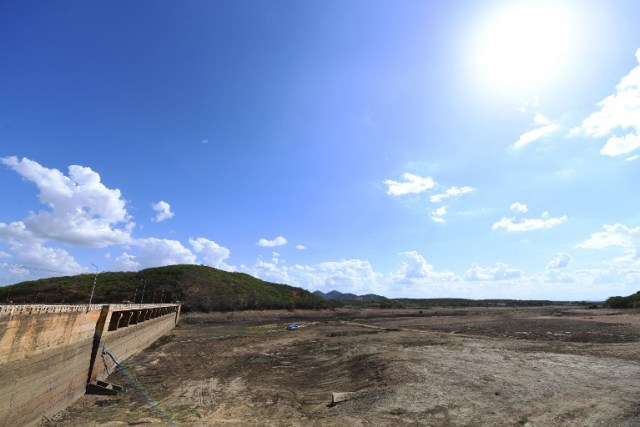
<point>522,43</point>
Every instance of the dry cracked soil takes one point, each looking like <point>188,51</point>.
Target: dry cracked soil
<point>552,366</point>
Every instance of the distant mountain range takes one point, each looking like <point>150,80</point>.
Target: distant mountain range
<point>373,300</point>
<point>335,295</point>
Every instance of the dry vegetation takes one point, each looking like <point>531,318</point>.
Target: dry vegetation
<point>552,366</point>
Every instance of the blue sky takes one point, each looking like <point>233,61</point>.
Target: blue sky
<point>484,149</point>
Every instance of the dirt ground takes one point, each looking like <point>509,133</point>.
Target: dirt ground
<point>552,366</point>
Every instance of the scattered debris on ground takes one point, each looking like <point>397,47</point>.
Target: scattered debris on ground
<point>551,366</point>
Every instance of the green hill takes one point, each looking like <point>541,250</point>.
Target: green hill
<point>199,288</point>
<point>631,301</point>
<point>352,300</point>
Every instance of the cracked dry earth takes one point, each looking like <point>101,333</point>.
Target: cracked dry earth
<point>554,366</point>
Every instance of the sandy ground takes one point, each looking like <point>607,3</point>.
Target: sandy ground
<point>555,366</point>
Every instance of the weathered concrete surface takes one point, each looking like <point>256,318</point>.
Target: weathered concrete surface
<point>117,345</point>
<point>44,358</point>
<point>46,352</point>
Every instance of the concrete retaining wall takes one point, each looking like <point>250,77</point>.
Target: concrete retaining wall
<point>49,353</point>
<point>126,332</point>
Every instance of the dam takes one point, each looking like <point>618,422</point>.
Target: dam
<point>51,354</point>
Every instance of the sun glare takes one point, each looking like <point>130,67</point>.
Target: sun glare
<point>522,44</point>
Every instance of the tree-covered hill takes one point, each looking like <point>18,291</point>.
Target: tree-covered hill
<point>199,288</point>
<point>631,301</point>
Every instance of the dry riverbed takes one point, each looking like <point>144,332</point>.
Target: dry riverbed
<point>552,366</point>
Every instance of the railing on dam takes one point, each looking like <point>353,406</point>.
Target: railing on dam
<point>124,318</point>
<point>16,309</point>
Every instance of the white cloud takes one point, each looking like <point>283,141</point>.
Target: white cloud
<point>562,260</point>
<point>126,262</point>
<point>529,104</point>
<point>415,266</point>
<point>163,211</point>
<point>153,252</point>
<point>553,275</point>
<point>438,214</point>
<point>499,272</point>
<point>40,260</point>
<point>545,128</point>
<point>618,112</point>
<point>270,272</point>
<point>347,275</point>
<point>617,146</point>
<point>413,184</point>
<point>613,235</point>
<point>518,207</point>
<point>418,278</point>
<point>278,241</point>
<point>416,271</point>
<point>617,235</point>
<point>301,247</point>
<point>632,158</point>
<point>15,273</point>
<point>615,276</point>
<point>352,275</point>
<point>276,258</point>
<point>82,210</point>
<point>528,224</point>
<point>213,254</point>
<point>451,192</point>
<point>357,276</point>
<point>17,231</point>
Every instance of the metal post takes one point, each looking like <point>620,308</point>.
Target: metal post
<point>144,286</point>
<point>95,279</point>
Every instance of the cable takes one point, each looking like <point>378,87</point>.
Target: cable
<point>107,352</point>
<point>8,264</point>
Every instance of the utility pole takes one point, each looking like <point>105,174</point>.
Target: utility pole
<point>144,286</point>
<point>95,279</point>
<point>135,293</point>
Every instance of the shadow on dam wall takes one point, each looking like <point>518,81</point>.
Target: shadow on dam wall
<point>50,354</point>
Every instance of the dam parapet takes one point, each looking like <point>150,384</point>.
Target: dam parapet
<point>50,353</point>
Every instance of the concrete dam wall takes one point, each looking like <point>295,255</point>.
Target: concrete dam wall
<point>49,354</point>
